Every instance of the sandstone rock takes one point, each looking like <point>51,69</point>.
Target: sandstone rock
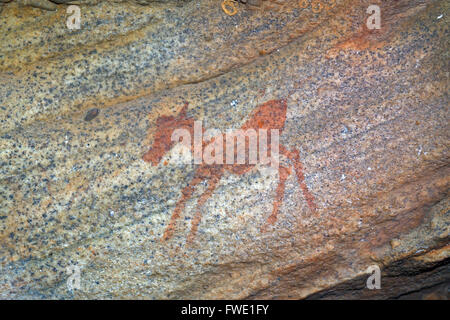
<point>88,177</point>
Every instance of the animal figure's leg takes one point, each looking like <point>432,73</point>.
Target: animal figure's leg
<point>294,156</point>
<point>301,180</point>
<point>212,183</point>
<point>284,174</point>
<point>185,195</point>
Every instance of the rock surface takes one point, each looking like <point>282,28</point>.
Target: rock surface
<point>366,172</point>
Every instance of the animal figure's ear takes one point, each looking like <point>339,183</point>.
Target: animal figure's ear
<point>183,113</point>
<point>164,120</point>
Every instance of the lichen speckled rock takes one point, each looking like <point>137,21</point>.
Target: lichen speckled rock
<point>366,113</point>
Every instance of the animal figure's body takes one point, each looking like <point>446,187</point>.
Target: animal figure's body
<point>270,115</point>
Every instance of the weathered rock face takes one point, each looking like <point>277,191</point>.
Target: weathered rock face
<point>89,176</point>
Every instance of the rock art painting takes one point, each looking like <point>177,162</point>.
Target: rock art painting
<point>269,115</point>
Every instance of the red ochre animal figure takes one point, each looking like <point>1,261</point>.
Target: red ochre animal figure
<point>269,115</point>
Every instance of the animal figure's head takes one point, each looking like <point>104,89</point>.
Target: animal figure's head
<point>162,142</point>
<point>269,115</point>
